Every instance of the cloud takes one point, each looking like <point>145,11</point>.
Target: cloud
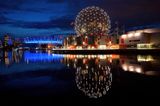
<point>7,5</point>
<point>40,15</point>
<point>60,23</point>
<point>56,1</point>
<point>21,28</point>
<point>3,19</point>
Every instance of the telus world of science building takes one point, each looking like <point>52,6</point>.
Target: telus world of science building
<point>146,38</point>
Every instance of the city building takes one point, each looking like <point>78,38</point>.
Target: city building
<point>90,42</point>
<point>0,44</point>
<point>141,39</point>
<point>17,42</point>
<point>102,42</point>
<point>70,42</point>
<point>7,42</point>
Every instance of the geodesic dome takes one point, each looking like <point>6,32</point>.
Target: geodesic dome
<point>92,21</point>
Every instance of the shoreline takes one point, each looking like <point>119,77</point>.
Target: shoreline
<point>107,51</point>
<point>111,51</point>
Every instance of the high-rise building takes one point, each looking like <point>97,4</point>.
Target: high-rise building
<point>0,44</point>
<point>8,42</point>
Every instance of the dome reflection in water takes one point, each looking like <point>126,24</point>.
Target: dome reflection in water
<point>93,75</point>
<point>94,83</point>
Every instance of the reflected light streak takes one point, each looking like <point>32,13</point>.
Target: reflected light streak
<point>141,58</point>
<point>131,68</point>
<point>44,42</point>
<point>34,57</point>
<point>125,67</point>
<point>102,56</point>
<point>138,70</point>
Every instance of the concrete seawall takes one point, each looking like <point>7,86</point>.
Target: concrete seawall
<point>112,51</point>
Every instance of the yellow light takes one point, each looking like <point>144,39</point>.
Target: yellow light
<point>102,56</point>
<point>130,35</point>
<point>114,46</point>
<point>49,46</point>
<point>144,46</point>
<point>79,47</point>
<point>131,68</point>
<point>138,70</point>
<point>137,34</point>
<point>125,67</point>
<point>124,36</point>
<point>83,30</point>
<point>84,61</point>
<point>89,56</point>
<point>141,58</point>
<point>102,47</point>
<point>92,56</point>
<point>89,47</point>
<point>86,66</point>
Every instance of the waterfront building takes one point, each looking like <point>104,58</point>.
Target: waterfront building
<point>141,39</point>
<point>70,42</point>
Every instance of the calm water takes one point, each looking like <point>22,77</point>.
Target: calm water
<point>43,76</point>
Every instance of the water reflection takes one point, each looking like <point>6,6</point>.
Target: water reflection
<point>93,74</point>
<point>45,57</point>
<point>142,64</point>
<point>145,58</point>
<point>11,57</point>
<point>94,83</point>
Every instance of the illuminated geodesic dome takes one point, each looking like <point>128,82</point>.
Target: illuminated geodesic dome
<point>95,82</point>
<point>92,21</point>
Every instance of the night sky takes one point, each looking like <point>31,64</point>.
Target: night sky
<point>47,17</point>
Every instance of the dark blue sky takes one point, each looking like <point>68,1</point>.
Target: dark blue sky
<point>48,17</point>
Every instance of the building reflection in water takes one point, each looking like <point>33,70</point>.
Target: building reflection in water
<point>11,57</point>
<point>7,58</point>
<point>94,83</point>
<point>45,57</point>
<point>93,74</point>
<point>16,55</point>
<point>142,64</point>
